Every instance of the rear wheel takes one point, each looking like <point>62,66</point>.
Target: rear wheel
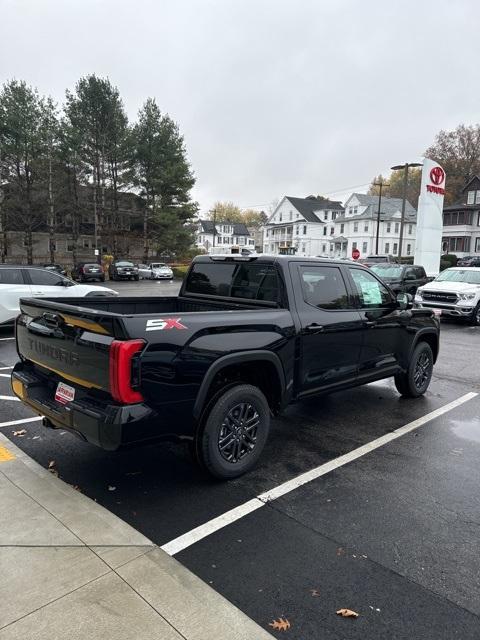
<point>415,381</point>
<point>234,432</point>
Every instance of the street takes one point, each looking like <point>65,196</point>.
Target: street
<point>390,531</point>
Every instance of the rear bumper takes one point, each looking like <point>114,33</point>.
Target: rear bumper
<point>101,423</point>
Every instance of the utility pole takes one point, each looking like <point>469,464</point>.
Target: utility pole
<point>381,185</point>
<point>405,168</point>
<point>214,226</point>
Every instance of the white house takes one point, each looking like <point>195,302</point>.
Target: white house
<point>461,222</point>
<point>356,227</point>
<point>223,237</point>
<point>301,226</point>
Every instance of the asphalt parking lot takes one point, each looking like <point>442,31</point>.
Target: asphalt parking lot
<point>389,531</point>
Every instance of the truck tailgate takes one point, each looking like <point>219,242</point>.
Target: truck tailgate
<point>72,342</point>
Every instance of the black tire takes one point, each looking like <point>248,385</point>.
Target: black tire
<point>136,278</point>
<point>102,279</point>
<point>415,381</point>
<point>475,318</point>
<point>227,422</point>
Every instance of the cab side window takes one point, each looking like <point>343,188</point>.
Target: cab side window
<point>371,292</point>
<point>324,287</point>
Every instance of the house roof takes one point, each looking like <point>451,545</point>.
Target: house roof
<point>307,206</point>
<point>239,228</point>
<point>388,207</point>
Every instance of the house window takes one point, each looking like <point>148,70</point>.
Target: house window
<point>304,229</point>
<point>477,197</point>
<point>456,244</point>
<point>303,247</point>
<point>70,246</point>
<point>324,247</point>
<point>297,229</point>
<point>86,244</point>
<point>410,228</point>
<point>395,248</point>
<point>332,230</point>
<point>471,197</point>
<point>397,227</point>
<point>280,216</point>
<point>334,215</point>
<point>365,228</point>
<point>325,228</point>
<point>355,210</point>
<point>355,226</point>
<point>389,227</point>
<point>291,215</point>
<point>325,215</point>
<point>387,248</point>
<point>365,247</point>
<point>350,210</point>
<point>477,245</point>
<point>342,228</point>
<point>354,245</point>
<point>409,249</point>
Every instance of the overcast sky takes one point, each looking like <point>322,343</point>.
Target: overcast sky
<point>273,97</point>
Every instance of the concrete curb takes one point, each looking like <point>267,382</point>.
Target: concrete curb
<point>73,569</point>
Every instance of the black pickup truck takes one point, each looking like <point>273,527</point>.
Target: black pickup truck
<point>246,336</point>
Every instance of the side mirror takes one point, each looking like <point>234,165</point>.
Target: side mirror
<point>404,301</point>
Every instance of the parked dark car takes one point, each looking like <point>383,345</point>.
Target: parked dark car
<point>51,266</point>
<point>86,271</point>
<point>401,278</point>
<point>378,259</point>
<point>123,270</point>
<point>245,337</point>
<point>469,261</point>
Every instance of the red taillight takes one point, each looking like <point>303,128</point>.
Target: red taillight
<point>121,356</point>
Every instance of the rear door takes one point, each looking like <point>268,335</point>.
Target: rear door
<point>12,288</point>
<point>383,325</point>
<point>45,283</point>
<point>331,327</point>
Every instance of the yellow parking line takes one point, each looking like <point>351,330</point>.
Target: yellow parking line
<point>6,455</point>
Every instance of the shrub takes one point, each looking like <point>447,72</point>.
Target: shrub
<point>444,264</point>
<point>180,271</point>
<point>451,258</point>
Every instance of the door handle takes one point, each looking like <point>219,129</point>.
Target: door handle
<point>314,327</point>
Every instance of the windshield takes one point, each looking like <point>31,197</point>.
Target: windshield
<point>387,271</point>
<point>158,265</point>
<point>124,263</point>
<point>459,275</point>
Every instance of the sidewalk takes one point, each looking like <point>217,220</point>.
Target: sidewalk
<point>71,569</point>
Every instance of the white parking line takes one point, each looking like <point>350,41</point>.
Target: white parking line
<point>5,368</point>
<point>11,423</point>
<point>1,339</point>
<point>10,398</point>
<point>5,375</point>
<point>191,537</point>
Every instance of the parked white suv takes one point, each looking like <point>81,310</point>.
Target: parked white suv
<point>155,271</point>
<point>31,282</point>
<point>455,292</point>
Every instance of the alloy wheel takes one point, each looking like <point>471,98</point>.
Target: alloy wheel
<point>238,433</point>
<point>422,370</point>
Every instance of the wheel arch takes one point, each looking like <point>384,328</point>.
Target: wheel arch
<point>258,367</point>
<point>431,338</point>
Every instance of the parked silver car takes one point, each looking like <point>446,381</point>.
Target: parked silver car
<point>155,271</point>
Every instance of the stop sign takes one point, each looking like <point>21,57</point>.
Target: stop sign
<point>355,254</point>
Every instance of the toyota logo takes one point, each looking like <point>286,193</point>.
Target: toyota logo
<point>437,175</point>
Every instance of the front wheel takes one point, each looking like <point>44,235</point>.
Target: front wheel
<point>234,432</point>
<point>475,319</point>
<point>415,381</point>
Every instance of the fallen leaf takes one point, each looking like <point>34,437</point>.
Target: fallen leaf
<point>111,488</point>
<point>347,613</point>
<point>315,593</point>
<point>20,433</point>
<point>54,471</point>
<point>36,438</point>
<point>51,464</point>
<point>280,624</point>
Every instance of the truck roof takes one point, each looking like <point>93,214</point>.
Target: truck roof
<point>265,257</point>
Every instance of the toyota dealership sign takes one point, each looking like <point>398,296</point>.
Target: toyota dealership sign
<point>430,217</point>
